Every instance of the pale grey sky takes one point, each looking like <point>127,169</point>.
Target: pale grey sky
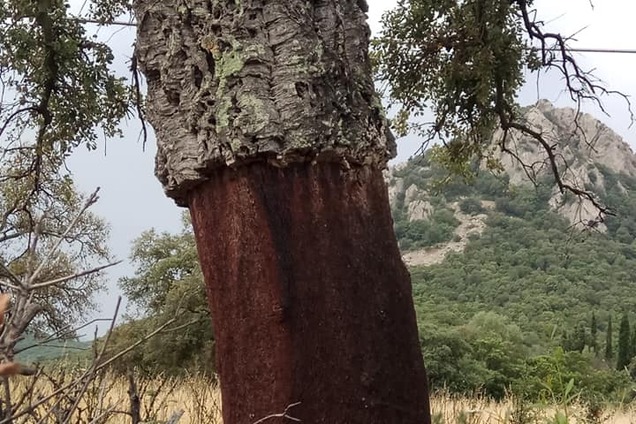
<point>132,199</point>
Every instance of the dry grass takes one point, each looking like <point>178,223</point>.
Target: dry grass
<point>108,401</point>
<point>447,409</point>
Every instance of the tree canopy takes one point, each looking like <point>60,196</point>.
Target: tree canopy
<point>167,285</point>
<point>465,62</point>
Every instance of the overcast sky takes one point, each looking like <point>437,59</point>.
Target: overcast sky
<point>132,199</point>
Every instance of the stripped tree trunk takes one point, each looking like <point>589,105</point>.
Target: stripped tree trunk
<point>270,131</point>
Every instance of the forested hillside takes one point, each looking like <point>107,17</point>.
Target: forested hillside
<point>501,277</point>
<point>531,278</point>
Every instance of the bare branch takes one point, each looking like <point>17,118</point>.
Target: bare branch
<point>7,273</point>
<point>112,23</point>
<point>74,276</point>
<point>11,236</point>
<point>96,361</point>
<point>89,202</point>
<point>11,117</point>
<point>284,414</point>
<point>588,88</point>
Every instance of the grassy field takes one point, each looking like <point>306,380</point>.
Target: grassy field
<point>453,410</point>
<point>108,400</point>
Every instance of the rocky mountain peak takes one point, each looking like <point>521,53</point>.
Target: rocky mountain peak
<point>583,145</point>
<point>583,142</point>
<point>590,156</point>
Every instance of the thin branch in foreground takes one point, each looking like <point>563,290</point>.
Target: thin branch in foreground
<point>93,369</point>
<point>59,335</point>
<point>88,375</point>
<point>92,199</point>
<point>175,417</point>
<point>284,414</point>
<point>112,23</point>
<point>74,276</point>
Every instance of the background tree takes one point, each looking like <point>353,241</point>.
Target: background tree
<point>594,334</point>
<point>579,338</point>
<point>49,237</point>
<point>566,341</point>
<point>270,131</point>
<point>609,352</point>
<point>624,344</point>
<point>167,286</point>
<point>57,92</point>
<point>498,345</point>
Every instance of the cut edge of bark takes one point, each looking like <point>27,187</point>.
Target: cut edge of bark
<point>181,192</point>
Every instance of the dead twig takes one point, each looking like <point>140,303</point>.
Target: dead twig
<point>284,414</point>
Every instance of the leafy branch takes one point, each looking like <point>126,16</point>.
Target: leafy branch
<point>465,62</point>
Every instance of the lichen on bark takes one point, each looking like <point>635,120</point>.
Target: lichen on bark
<point>231,83</point>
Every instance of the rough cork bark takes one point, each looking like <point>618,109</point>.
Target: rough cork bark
<point>231,82</point>
<point>270,131</point>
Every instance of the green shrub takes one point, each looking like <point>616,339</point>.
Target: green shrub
<point>471,206</point>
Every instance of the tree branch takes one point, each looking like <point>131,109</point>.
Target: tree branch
<point>284,414</point>
<point>89,202</point>
<point>72,277</point>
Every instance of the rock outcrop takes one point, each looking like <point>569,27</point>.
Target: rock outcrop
<point>586,150</point>
<point>584,145</point>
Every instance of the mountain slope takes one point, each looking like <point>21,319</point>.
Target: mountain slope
<point>592,157</point>
<point>585,147</point>
<point>584,144</point>
<point>34,350</point>
<point>495,243</point>
<point>503,277</point>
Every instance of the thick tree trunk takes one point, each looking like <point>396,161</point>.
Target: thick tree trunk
<point>233,82</point>
<point>270,130</point>
<point>310,299</point>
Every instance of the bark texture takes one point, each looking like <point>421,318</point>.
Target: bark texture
<point>269,129</point>
<point>283,81</point>
<point>310,299</point>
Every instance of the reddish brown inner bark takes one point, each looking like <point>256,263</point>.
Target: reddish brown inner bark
<point>310,299</point>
